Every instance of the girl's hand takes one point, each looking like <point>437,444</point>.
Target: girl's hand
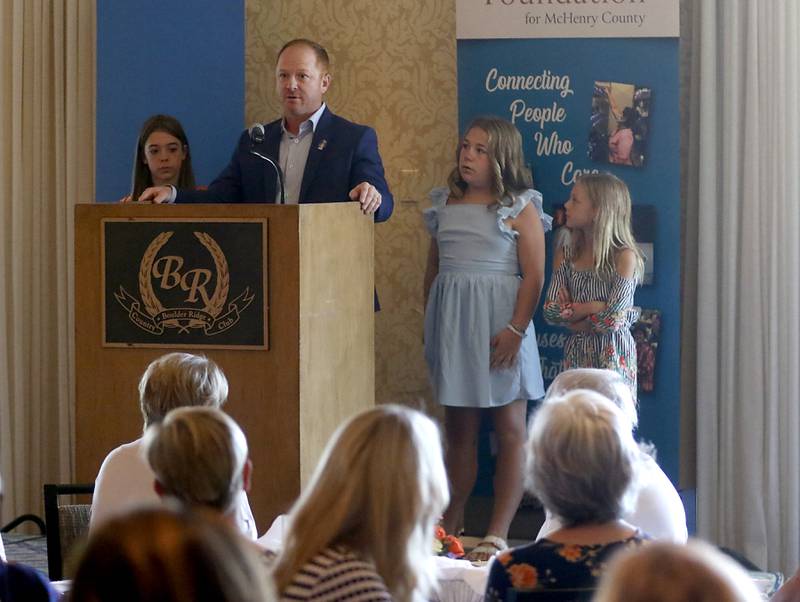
<point>565,301</point>
<point>505,347</point>
<point>595,307</point>
<point>580,326</point>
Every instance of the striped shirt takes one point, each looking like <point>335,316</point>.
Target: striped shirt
<point>608,343</point>
<point>337,573</point>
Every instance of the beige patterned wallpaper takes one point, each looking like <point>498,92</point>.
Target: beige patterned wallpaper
<point>394,68</point>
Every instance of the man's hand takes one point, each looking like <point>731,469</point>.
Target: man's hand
<point>366,194</point>
<point>156,194</point>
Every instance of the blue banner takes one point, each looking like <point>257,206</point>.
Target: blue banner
<point>601,104</point>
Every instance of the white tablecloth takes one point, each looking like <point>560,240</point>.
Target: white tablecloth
<point>459,581</point>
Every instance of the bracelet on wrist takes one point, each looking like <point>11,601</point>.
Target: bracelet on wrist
<point>515,330</point>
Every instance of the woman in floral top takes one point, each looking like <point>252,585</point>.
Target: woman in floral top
<point>583,465</point>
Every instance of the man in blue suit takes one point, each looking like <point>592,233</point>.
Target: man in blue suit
<point>323,157</point>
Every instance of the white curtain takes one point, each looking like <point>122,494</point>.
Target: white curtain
<point>743,206</point>
<point>47,77</point>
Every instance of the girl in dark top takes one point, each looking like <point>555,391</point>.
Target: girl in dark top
<point>162,156</point>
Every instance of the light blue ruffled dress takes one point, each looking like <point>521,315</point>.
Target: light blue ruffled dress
<point>472,299</point>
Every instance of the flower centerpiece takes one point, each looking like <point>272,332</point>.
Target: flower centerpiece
<point>446,545</point>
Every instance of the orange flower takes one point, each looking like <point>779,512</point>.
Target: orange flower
<point>570,553</point>
<point>439,532</point>
<point>523,576</point>
<point>503,558</point>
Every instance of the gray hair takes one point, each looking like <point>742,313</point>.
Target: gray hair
<point>582,460</point>
<point>608,383</point>
<point>180,379</point>
<point>198,455</point>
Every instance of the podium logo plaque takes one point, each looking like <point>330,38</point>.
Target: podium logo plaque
<point>180,283</point>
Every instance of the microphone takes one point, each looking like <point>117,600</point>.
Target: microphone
<point>257,135</point>
<point>256,132</point>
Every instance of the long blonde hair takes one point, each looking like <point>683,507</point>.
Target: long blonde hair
<point>509,173</point>
<point>378,489</point>
<point>612,226</point>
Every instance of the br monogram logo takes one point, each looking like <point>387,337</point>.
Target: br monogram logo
<point>167,272</point>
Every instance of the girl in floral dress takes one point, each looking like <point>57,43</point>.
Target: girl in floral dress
<point>595,275</point>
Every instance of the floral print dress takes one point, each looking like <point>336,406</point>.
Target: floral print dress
<point>609,344</point>
<point>551,566</point>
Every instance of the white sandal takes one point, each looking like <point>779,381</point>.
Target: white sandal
<point>486,549</point>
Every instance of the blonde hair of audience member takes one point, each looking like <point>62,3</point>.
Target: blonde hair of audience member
<point>378,489</point>
<point>199,456</point>
<point>180,379</point>
<point>668,572</point>
<point>169,556</point>
<point>582,461</point>
<point>608,383</point>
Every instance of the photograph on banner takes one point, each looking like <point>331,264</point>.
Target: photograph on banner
<point>619,123</point>
<point>646,333</point>
<point>643,222</point>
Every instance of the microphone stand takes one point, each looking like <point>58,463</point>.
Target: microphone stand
<point>274,165</point>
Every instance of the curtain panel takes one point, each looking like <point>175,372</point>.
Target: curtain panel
<point>743,274</point>
<point>47,91</point>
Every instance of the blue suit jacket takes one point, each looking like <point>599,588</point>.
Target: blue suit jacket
<point>342,155</point>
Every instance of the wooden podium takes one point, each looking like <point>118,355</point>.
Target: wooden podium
<point>315,369</point>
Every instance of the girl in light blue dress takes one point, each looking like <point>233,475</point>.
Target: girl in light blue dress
<point>482,284</point>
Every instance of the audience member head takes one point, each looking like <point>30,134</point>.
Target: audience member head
<point>668,572</point>
<point>379,488</point>
<point>162,156</point>
<point>164,555</point>
<point>199,457</point>
<point>582,460</point>
<point>180,379</point>
<point>608,383</point>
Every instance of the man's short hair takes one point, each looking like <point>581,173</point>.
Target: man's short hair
<point>322,55</point>
<point>180,379</point>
